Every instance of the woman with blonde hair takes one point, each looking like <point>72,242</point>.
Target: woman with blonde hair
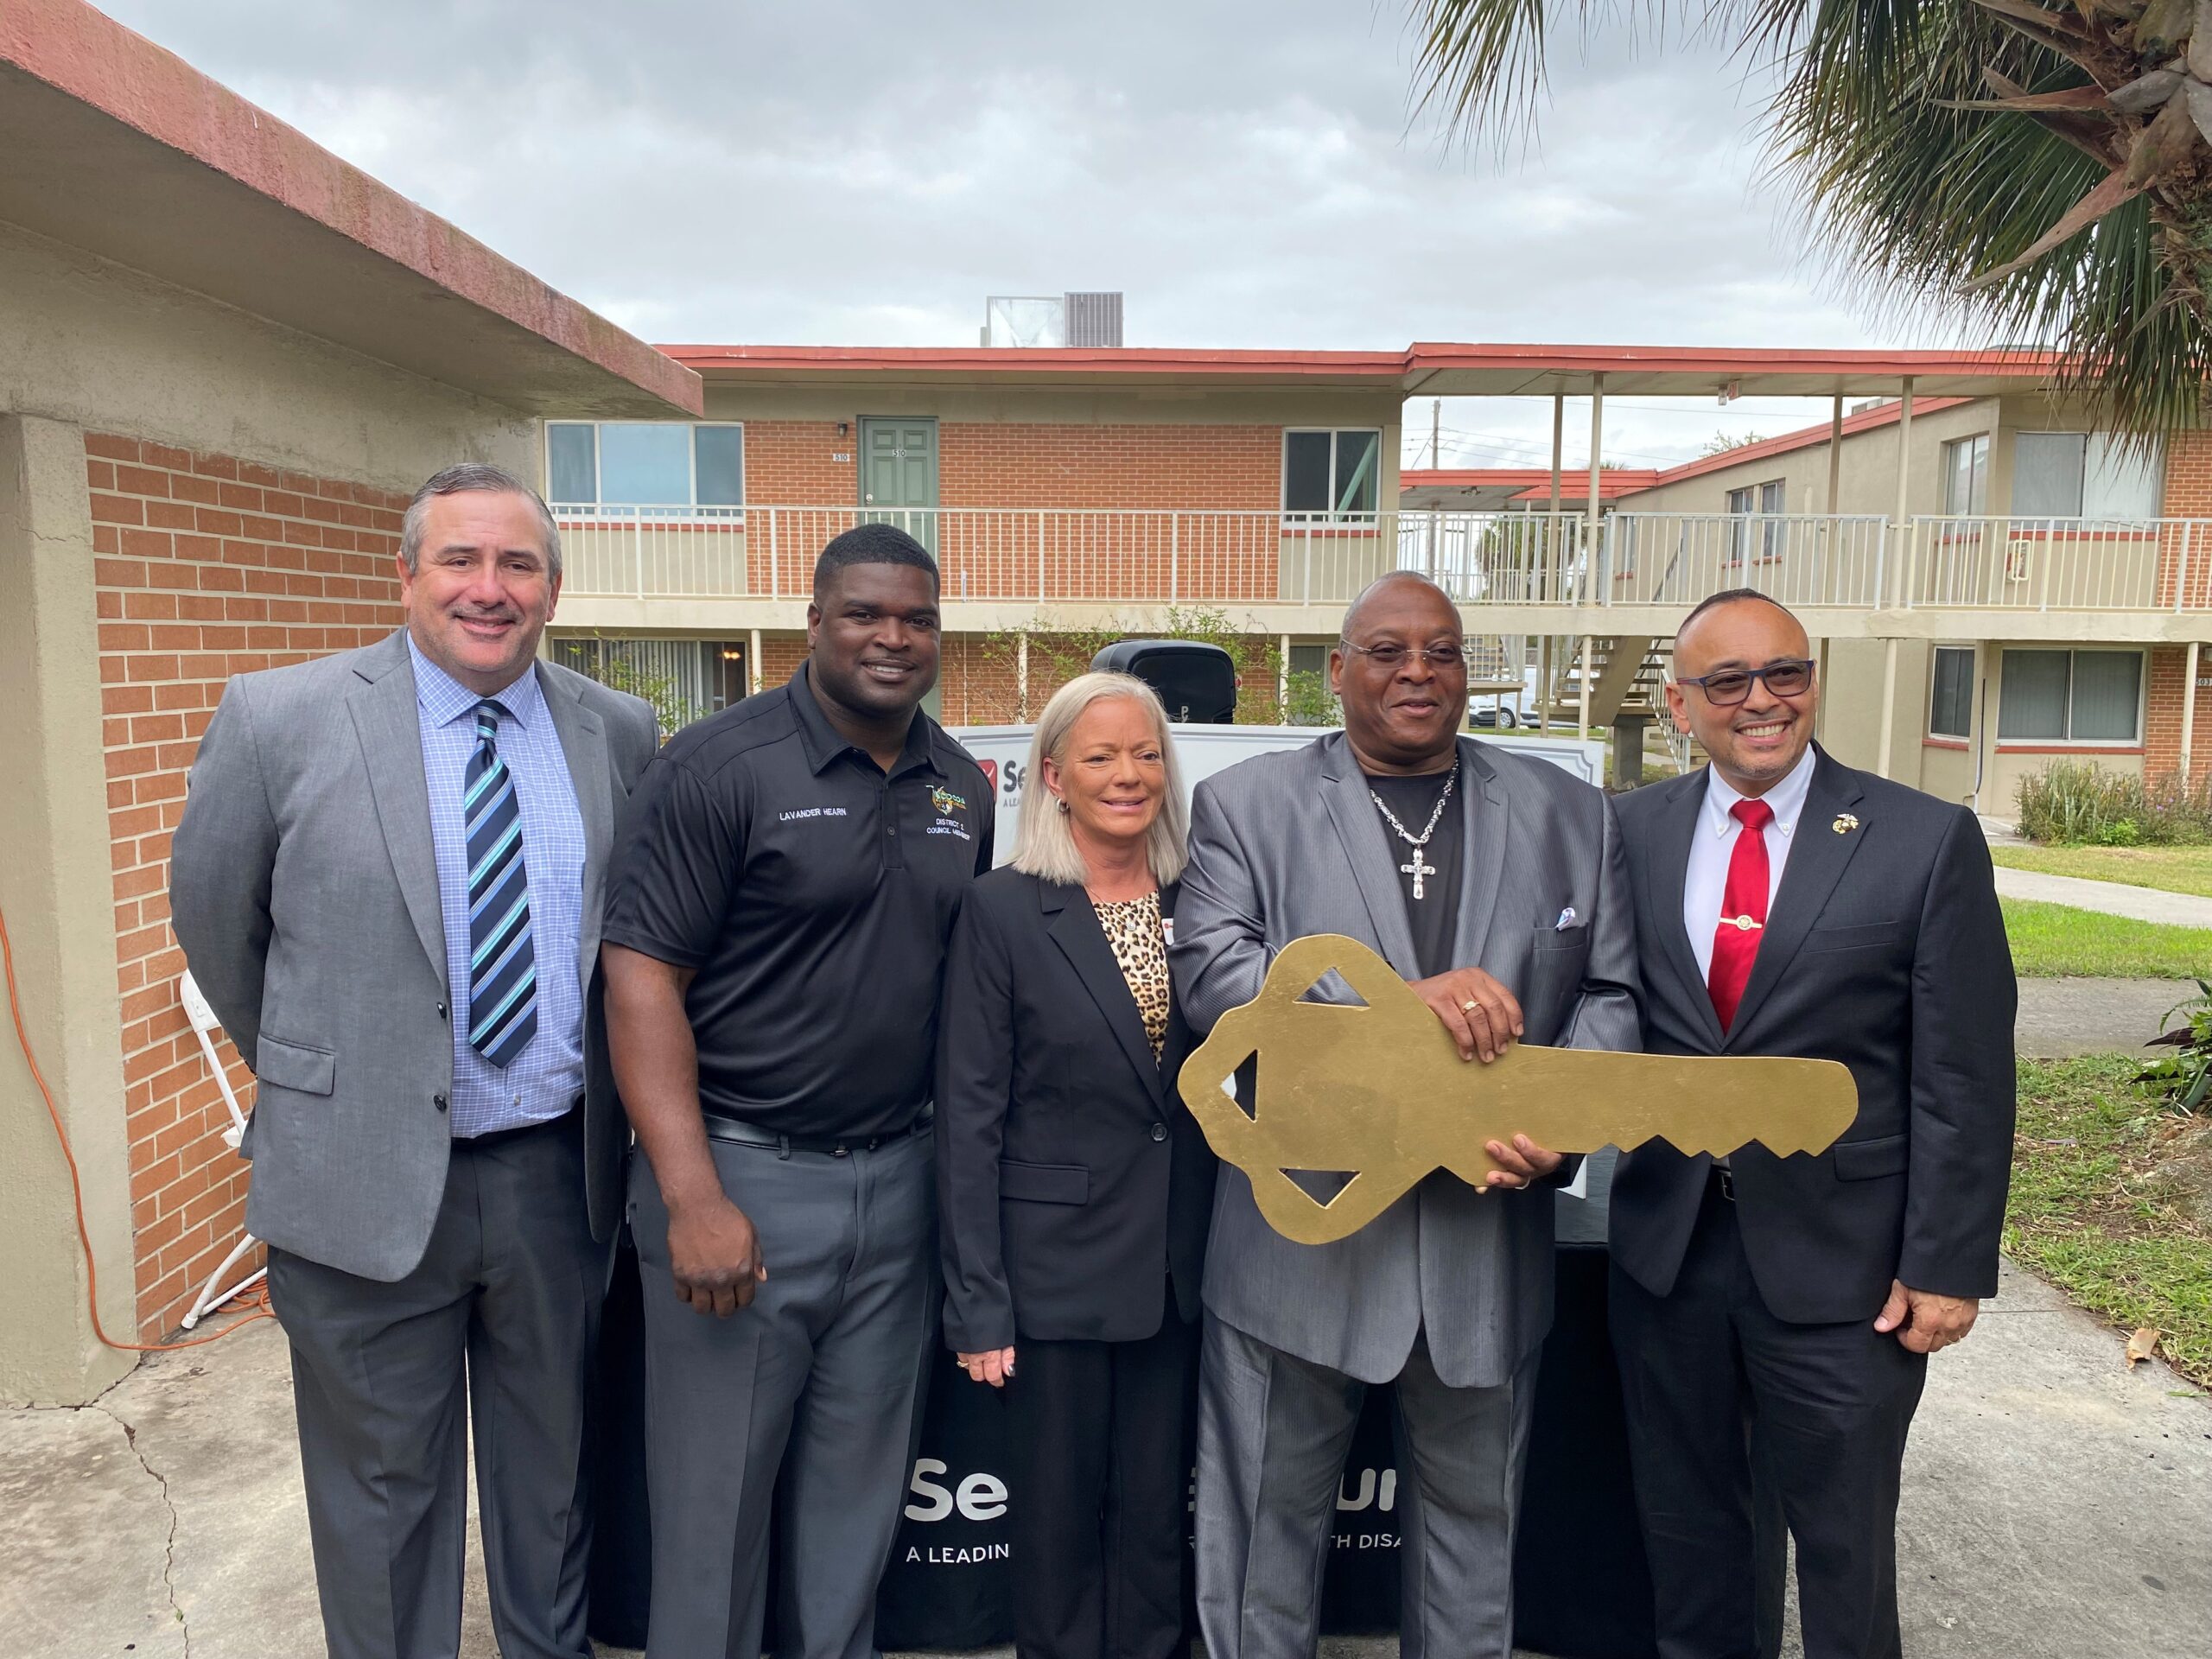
<point>1074,1191</point>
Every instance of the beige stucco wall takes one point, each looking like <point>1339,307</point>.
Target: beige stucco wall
<point>1868,479</point>
<point>109,349</point>
<point>56,893</point>
<point>86,345</point>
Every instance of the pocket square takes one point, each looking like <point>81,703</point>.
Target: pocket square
<point>1567,918</point>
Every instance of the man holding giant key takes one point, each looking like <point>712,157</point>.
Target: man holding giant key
<point>1492,883</point>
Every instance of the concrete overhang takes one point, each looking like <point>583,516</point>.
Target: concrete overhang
<point>110,144</point>
<point>1454,371</point>
<point>1429,370</point>
<point>1491,489</point>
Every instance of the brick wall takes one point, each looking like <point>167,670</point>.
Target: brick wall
<point>2189,495</point>
<point>1051,480</point>
<point>1059,470</point>
<point>206,566</point>
<point>979,678</point>
<point>2162,712</point>
<point>1226,468</point>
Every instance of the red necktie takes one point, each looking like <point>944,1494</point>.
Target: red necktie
<point>1743,912</point>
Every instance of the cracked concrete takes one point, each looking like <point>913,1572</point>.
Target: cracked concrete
<point>2056,1505</point>
<point>169,1546</point>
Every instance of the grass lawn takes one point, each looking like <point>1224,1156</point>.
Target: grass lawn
<point>2053,940</point>
<point>2169,869</point>
<point>2112,1201</point>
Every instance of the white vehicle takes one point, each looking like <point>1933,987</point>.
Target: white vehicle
<point>1003,752</point>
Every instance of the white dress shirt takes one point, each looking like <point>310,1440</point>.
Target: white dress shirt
<point>1706,883</point>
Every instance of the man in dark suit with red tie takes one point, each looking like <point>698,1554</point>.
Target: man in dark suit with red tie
<point>1774,1316</point>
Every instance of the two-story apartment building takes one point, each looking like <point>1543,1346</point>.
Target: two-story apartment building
<point>2035,596</point>
<point>1065,493</point>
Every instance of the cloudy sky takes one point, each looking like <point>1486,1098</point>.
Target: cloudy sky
<point>863,172</point>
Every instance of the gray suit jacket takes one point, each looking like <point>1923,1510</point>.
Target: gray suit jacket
<point>304,887</point>
<point>1287,845</point>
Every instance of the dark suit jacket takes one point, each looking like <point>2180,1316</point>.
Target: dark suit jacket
<point>1072,1184</point>
<point>1885,949</point>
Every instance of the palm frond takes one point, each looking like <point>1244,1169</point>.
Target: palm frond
<point>2061,216</point>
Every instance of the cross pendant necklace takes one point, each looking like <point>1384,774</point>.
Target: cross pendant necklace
<point>1420,868</point>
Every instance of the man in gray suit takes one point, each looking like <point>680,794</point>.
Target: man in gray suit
<point>388,882</point>
<point>1494,884</point>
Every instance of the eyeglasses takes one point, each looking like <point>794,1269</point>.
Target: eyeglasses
<point>1392,655</point>
<point>1787,678</point>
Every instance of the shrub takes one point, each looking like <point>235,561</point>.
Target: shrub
<point>2070,802</point>
<point>2184,1076</point>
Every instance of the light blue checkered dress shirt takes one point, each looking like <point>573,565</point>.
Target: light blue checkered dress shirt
<point>546,1078</point>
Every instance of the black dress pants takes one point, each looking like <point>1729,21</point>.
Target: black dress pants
<point>1724,1399</point>
<point>1102,1488</point>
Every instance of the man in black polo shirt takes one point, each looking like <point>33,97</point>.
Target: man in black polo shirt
<point>775,936</point>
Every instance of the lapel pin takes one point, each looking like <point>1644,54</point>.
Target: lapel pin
<point>1845,824</point>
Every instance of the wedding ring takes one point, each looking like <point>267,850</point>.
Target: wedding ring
<point>1469,1006</point>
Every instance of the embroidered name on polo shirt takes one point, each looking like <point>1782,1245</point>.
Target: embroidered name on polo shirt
<point>810,812</point>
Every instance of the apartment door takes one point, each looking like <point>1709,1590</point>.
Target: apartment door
<point>899,474</point>
<point>898,486</point>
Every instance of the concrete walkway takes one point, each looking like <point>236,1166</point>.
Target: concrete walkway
<point>2057,1506</point>
<point>2113,898</point>
<point>2063,1017</point>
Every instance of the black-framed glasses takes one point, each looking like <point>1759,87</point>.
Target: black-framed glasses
<point>1391,655</point>
<point>1787,678</point>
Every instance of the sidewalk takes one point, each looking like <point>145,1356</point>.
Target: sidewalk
<point>2113,898</point>
<point>2057,1506</point>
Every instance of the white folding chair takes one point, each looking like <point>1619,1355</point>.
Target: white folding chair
<point>204,1026</point>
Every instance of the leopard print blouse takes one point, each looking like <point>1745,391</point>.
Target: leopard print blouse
<point>1140,945</point>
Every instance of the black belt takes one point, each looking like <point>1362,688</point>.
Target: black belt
<point>736,1132</point>
<point>499,1137</point>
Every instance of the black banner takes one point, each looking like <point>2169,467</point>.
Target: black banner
<point>1582,1589</point>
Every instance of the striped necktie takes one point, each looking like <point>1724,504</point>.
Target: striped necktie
<point>502,968</point>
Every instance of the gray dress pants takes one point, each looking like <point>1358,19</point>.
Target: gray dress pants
<point>816,1380</point>
<point>1273,1431</point>
<point>501,1314</point>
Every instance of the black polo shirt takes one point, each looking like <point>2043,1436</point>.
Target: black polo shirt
<point>813,894</point>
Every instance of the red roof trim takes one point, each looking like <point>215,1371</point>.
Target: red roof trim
<point>1418,360</point>
<point>1390,366</point>
<point>92,58</point>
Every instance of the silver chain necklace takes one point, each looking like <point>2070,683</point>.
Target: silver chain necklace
<point>1418,868</point>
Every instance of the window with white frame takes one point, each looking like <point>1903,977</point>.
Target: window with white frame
<point>1772,499</point>
<point>2071,696</point>
<point>1951,693</point>
<point>1965,477</point>
<point>630,466</point>
<point>1332,475</point>
<point>2085,475</point>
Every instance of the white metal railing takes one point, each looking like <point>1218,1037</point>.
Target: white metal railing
<point>1049,555</point>
<point>1806,559</point>
<point>2020,564</point>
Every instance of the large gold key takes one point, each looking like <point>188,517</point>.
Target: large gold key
<point>1380,1092</point>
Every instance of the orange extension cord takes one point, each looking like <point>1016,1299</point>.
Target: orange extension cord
<point>77,1187</point>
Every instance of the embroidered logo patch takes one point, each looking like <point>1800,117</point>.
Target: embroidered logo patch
<point>947,802</point>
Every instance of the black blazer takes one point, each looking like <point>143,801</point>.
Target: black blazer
<point>1885,951</point>
<point>1072,1185</point>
